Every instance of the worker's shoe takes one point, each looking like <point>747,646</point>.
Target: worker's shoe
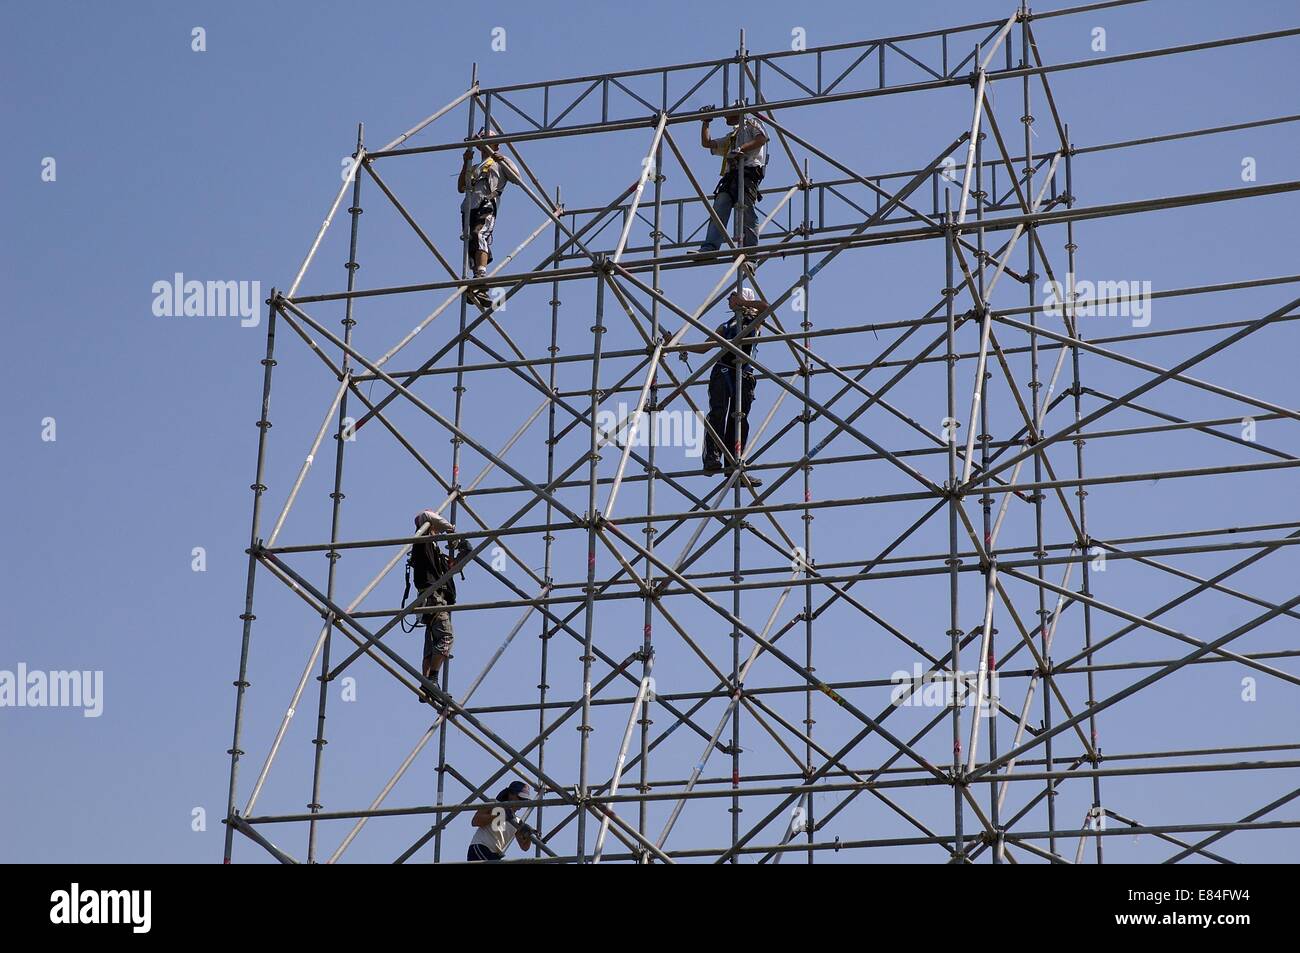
<point>428,698</point>
<point>712,466</point>
<point>747,477</point>
<point>478,295</point>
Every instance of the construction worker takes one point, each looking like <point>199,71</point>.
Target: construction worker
<point>426,565</point>
<point>482,183</point>
<point>497,826</point>
<point>726,386</point>
<point>744,147</point>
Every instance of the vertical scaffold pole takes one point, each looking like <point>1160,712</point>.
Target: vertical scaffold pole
<point>1036,398</point>
<point>593,515</point>
<point>336,500</point>
<point>986,499</point>
<point>548,540</point>
<point>1085,542</point>
<point>258,488</point>
<point>647,645</point>
<point>807,325</point>
<point>738,369</point>
<point>459,390</point>
<point>954,501</point>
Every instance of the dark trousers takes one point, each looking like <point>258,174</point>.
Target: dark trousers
<point>722,412</point>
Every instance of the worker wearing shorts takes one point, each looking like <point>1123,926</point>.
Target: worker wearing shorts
<point>433,569</point>
<point>438,637</point>
<point>482,184</point>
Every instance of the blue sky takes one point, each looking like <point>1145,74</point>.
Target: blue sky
<point>221,164</point>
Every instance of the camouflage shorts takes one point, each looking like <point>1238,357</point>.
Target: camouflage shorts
<point>481,223</point>
<point>438,636</point>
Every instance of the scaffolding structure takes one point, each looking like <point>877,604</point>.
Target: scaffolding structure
<point>725,576</point>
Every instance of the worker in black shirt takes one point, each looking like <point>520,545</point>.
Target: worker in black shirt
<point>726,386</point>
<point>427,564</point>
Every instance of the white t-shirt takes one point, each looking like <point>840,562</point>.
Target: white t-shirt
<point>496,834</point>
<point>486,181</point>
<point>746,131</point>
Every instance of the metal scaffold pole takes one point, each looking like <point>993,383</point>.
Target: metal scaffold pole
<point>341,438</point>
<point>258,488</point>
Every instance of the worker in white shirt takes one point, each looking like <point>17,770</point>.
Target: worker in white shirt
<point>743,148</point>
<point>482,184</point>
<point>496,826</point>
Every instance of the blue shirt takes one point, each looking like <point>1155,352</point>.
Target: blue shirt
<point>729,329</point>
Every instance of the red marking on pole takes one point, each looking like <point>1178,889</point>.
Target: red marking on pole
<point>735,779</point>
<point>807,496</point>
<point>992,664</point>
<point>591,558</point>
<point>647,631</point>
<point>956,747</point>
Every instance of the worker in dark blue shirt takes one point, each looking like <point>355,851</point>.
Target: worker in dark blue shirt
<point>727,385</point>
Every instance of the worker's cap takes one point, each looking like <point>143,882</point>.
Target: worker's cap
<point>734,117</point>
<point>518,789</point>
<point>746,294</point>
<point>440,525</point>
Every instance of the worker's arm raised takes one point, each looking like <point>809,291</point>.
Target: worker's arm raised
<point>462,182</point>
<point>705,141</point>
<point>460,555</point>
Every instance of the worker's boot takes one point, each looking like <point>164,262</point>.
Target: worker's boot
<point>712,466</point>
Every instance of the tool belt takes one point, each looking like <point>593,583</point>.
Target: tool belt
<point>730,181</point>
